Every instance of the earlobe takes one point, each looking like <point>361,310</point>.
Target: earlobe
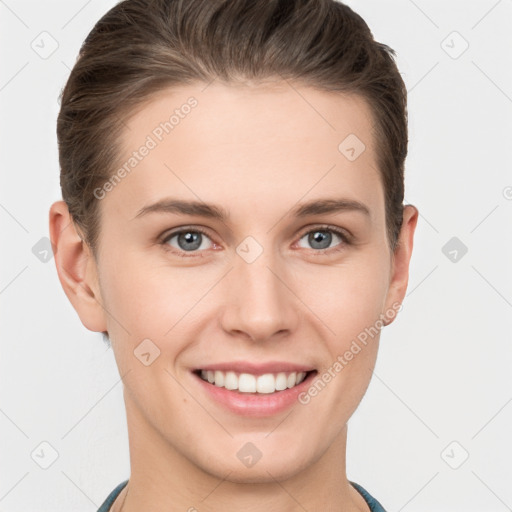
<point>76,268</point>
<point>401,261</point>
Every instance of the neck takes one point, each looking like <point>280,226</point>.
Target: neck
<point>161,479</point>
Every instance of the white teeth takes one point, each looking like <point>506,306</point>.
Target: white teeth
<point>231,381</point>
<point>219,379</point>
<point>266,383</point>
<point>248,383</point>
<point>281,381</point>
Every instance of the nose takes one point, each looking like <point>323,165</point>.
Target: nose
<point>260,301</point>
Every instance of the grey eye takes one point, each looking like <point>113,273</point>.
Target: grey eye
<point>188,240</point>
<point>320,238</point>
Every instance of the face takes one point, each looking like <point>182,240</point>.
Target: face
<point>246,246</point>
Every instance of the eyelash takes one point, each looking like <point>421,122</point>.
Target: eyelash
<point>342,234</point>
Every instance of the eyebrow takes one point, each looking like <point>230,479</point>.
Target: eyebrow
<point>211,211</point>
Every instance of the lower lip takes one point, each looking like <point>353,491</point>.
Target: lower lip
<point>256,404</point>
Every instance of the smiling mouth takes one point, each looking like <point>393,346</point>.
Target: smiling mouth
<point>250,383</point>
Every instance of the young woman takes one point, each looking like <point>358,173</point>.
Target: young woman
<point>233,222</point>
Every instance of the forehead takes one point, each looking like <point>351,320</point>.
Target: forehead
<point>258,143</point>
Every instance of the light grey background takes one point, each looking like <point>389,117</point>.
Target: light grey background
<point>442,387</point>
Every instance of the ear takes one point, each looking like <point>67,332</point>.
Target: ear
<point>400,262</point>
<point>76,268</point>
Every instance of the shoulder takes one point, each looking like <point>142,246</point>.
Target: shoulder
<point>105,507</point>
<point>374,505</point>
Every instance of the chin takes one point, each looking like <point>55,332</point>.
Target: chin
<point>265,470</point>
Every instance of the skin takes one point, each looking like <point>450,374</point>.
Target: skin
<point>257,151</point>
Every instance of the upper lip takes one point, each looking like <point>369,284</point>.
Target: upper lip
<point>257,368</point>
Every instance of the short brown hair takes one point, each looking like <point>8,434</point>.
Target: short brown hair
<point>140,47</point>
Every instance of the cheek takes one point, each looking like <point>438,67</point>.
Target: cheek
<point>349,302</point>
<point>150,309</point>
<point>151,299</point>
<point>349,297</point>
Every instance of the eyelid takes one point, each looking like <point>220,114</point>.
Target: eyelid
<point>343,233</point>
<point>183,229</point>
